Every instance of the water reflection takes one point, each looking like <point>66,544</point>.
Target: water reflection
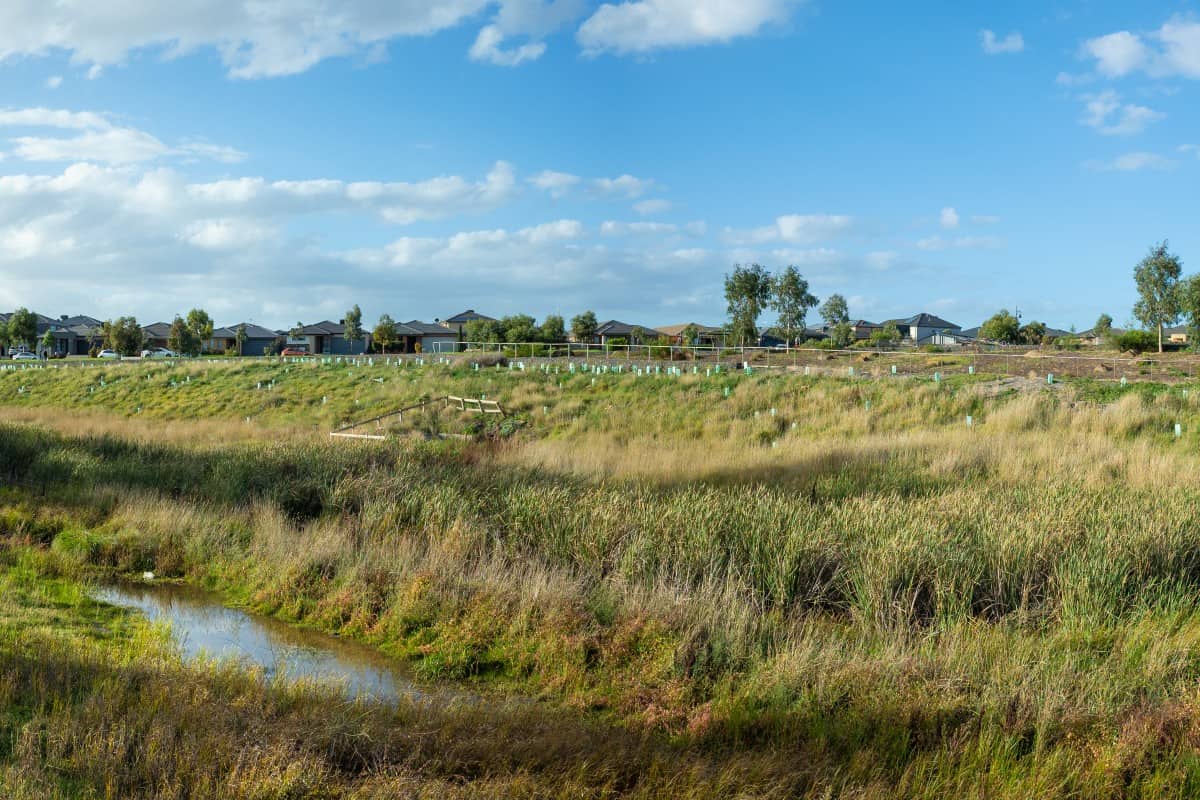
<point>203,626</point>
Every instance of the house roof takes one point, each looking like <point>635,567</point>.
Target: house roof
<point>617,328</point>
<point>417,328</point>
<point>252,331</point>
<point>924,320</point>
<point>157,330</point>
<point>466,316</point>
<point>675,330</point>
<point>323,328</point>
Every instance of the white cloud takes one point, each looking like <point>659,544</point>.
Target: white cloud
<point>993,45</point>
<point>1190,148</point>
<point>1132,162</point>
<point>1117,53</point>
<point>641,26</point>
<point>936,243</point>
<point>881,260</point>
<point>1106,113</point>
<point>1071,80</point>
<point>556,184</point>
<point>949,218</point>
<point>1172,50</point>
<point>487,47</point>
<point>98,139</point>
<point>794,229</point>
<point>226,234</point>
<point>626,185</point>
<point>654,206</point>
<point>611,228</point>
<point>54,81</point>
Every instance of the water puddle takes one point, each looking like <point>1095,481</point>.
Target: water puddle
<point>203,626</point>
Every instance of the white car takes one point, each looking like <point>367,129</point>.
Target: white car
<point>108,354</point>
<point>25,356</point>
<point>159,352</point>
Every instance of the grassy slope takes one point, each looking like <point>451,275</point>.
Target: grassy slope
<point>900,603</point>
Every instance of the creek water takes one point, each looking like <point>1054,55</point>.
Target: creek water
<point>204,627</point>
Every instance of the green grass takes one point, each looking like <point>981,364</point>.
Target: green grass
<point>884,603</point>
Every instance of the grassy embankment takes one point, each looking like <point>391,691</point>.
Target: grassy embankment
<point>878,600</point>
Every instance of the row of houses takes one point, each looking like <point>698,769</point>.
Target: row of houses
<point>77,335</point>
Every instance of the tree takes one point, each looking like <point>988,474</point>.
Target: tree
<point>3,336</point>
<point>239,336</point>
<point>1157,278</point>
<point>1103,326</point>
<point>22,327</point>
<point>747,292</point>
<point>583,326</point>
<point>352,327</point>
<point>182,338</point>
<point>554,331</point>
<point>201,326</point>
<point>384,334</point>
<point>48,342</point>
<point>791,300</point>
<point>841,334</point>
<point>690,335</point>
<point>637,334</point>
<point>835,311</point>
<point>1033,332</point>
<point>297,330</point>
<point>1189,306</point>
<point>484,331</point>
<point>519,328</point>
<point>124,335</point>
<point>887,336</point>
<point>1001,327</point>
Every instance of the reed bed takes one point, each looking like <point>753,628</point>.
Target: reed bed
<point>865,601</point>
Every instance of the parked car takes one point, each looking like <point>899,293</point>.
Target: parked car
<point>108,354</point>
<point>295,351</point>
<point>159,352</point>
<point>25,355</point>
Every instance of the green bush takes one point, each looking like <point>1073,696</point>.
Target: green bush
<point>1137,341</point>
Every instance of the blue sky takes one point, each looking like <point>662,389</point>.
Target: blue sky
<point>282,162</point>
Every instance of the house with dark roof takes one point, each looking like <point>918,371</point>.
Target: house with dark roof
<point>329,338</point>
<point>615,329</point>
<point>458,322</point>
<point>259,340</point>
<point>925,328</point>
<point>415,336</point>
<point>76,336</point>
<point>156,334</point>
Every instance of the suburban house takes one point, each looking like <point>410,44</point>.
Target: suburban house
<point>259,340</point>
<point>156,334</point>
<point>75,336</point>
<point>423,337</point>
<point>706,335</point>
<point>458,322</point>
<point>1090,337</point>
<point>614,329</point>
<point>329,338</point>
<point>928,329</point>
<point>1176,335</point>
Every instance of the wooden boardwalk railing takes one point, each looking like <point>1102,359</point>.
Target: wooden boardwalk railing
<point>478,406</point>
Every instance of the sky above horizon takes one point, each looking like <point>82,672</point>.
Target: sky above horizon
<point>281,161</point>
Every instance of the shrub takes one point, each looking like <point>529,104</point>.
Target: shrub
<point>1137,341</point>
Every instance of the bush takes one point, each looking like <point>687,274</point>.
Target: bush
<point>1137,341</point>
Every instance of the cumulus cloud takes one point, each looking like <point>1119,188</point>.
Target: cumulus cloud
<point>642,26</point>
<point>626,185</point>
<point>654,206</point>
<point>556,184</point>
<point>488,47</point>
<point>1173,50</point>
<point>97,138</point>
<point>794,229</point>
<point>255,39</point>
<point>994,45</point>
<point>1106,113</point>
<point>54,81</point>
<point>949,218</point>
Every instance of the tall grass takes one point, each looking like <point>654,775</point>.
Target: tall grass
<point>913,606</point>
